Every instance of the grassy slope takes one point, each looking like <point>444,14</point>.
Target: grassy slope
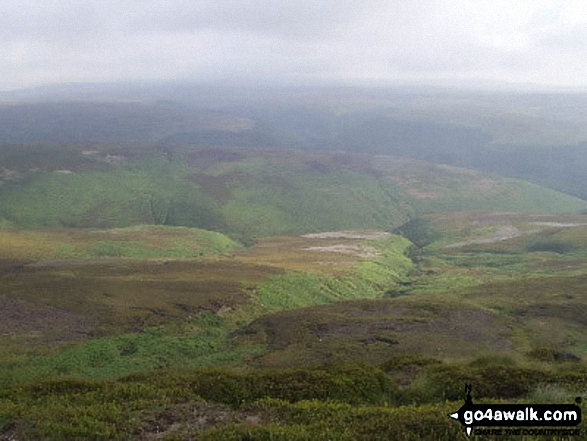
<point>184,310</point>
<point>251,197</point>
<point>518,302</point>
<point>440,188</point>
<point>251,193</point>
<point>370,331</point>
<point>278,304</point>
<point>471,325</point>
<point>137,242</point>
<point>532,283</point>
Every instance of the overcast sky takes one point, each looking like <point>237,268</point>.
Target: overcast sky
<point>289,41</point>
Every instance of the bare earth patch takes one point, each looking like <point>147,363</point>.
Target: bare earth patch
<point>194,417</point>
<point>559,224</point>
<point>503,233</point>
<point>7,174</point>
<point>486,186</point>
<point>356,250</point>
<point>507,232</point>
<point>373,235</point>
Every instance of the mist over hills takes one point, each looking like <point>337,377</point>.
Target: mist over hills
<point>540,137</point>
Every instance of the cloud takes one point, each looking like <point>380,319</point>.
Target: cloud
<point>303,19</point>
<point>524,41</point>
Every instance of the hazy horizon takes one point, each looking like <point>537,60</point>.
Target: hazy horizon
<point>525,45</point>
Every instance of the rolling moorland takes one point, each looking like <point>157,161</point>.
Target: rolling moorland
<point>170,291</point>
<point>164,275</point>
<point>535,136</point>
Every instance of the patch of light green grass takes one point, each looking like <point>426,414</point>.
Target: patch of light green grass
<point>205,343</point>
<point>370,279</point>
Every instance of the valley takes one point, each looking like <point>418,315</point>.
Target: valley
<point>225,293</point>
<point>324,220</point>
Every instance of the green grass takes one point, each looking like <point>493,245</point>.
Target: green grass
<point>284,201</point>
<point>327,421</point>
<point>202,341</point>
<point>344,402</point>
<point>150,191</point>
<point>510,195</point>
<point>250,198</point>
<point>145,293</point>
<point>138,307</point>
<point>253,193</point>
<point>65,408</point>
<point>137,242</point>
<point>369,279</point>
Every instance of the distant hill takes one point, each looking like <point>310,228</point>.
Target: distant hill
<point>539,137</point>
<point>245,193</point>
<point>116,120</point>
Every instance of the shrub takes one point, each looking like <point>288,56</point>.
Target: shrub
<point>497,381</point>
<point>419,231</point>
<point>352,384</point>
<point>553,355</point>
<point>311,420</point>
<point>493,360</point>
<point>401,361</point>
<point>269,432</point>
<point>56,387</point>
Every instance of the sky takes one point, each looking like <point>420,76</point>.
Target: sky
<point>454,42</point>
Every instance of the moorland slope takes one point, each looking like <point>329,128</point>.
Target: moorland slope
<point>245,193</point>
<point>177,293</point>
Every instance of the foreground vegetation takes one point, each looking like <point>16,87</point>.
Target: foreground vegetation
<point>344,402</point>
<point>368,344</point>
<point>314,311</point>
